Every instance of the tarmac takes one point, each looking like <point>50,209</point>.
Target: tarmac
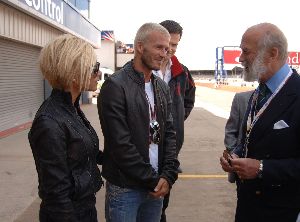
<point>201,193</point>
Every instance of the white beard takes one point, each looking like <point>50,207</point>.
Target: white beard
<point>256,69</point>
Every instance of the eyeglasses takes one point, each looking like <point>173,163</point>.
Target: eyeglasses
<point>96,68</point>
<point>154,132</point>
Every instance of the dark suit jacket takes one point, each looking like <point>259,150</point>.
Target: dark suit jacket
<point>277,194</point>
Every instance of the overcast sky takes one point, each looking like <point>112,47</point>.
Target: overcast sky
<point>206,25</point>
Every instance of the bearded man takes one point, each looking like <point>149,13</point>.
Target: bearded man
<point>267,161</point>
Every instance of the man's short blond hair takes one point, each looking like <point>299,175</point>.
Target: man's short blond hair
<point>146,29</point>
<point>67,58</point>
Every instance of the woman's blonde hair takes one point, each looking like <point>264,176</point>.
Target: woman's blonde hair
<point>66,58</point>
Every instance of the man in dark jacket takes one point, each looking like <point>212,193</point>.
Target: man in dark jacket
<point>182,89</point>
<point>267,162</point>
<point>180,81</point>
<point>139,163</point>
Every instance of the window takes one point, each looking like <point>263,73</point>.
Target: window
<point>82,6</point>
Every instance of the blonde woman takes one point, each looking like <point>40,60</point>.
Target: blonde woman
<point>64,144</point>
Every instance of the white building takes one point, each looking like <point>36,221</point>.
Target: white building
<point>25,27</point>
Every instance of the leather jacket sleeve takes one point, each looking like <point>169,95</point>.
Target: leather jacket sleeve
<point>48,141</point>
<point>99,157</point>
<point>171,163</point>
<point>189,94</point>
<point>112,113</point>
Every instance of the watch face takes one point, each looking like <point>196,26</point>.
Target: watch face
<point>261,165</point>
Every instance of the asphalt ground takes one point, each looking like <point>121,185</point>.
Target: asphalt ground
<point>201,193</point>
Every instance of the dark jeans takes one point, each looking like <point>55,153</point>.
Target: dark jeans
<point>131,205</point>
<point>87,215</point>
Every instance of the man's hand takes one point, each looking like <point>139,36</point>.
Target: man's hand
<point>225,161</point>
<point>245,168</point>
<point>161,189</point>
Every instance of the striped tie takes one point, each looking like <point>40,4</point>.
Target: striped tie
<point>263,95</point>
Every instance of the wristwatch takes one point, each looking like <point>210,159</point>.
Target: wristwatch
<point>260,170</point>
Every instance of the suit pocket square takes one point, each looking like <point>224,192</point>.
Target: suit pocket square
<point>280,125</point>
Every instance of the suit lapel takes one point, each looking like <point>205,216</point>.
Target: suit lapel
<point>280,103</point>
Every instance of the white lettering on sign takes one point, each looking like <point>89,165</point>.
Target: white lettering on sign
<point>293,58</point>
<point>48,8</point>
<point>36,4</point>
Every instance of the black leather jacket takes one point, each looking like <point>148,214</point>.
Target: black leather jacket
<point>66,151</point>
<point>124,117</point>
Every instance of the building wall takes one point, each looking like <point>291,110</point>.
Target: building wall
<point>122,59</point>
<point>23,32</point>
<point>21,83</point>
<point>18,26</point>
<point>106,54</point>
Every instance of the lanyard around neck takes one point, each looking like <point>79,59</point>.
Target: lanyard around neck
<point>152,111</point>
<point>250,122</point>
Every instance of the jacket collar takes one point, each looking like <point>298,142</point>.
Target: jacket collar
<point>64,97</point>
<point>136,76</point>
<point>176,68</point>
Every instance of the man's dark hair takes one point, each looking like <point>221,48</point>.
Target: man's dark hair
<point>172,27</point>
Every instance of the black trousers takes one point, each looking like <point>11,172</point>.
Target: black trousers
<point>86,215</point>
<point>250,211</point>
<point>165,205</point>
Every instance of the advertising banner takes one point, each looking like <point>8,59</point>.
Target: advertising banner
<point>232,57</point>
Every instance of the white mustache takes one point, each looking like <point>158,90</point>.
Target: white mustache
<point>248,74</point>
